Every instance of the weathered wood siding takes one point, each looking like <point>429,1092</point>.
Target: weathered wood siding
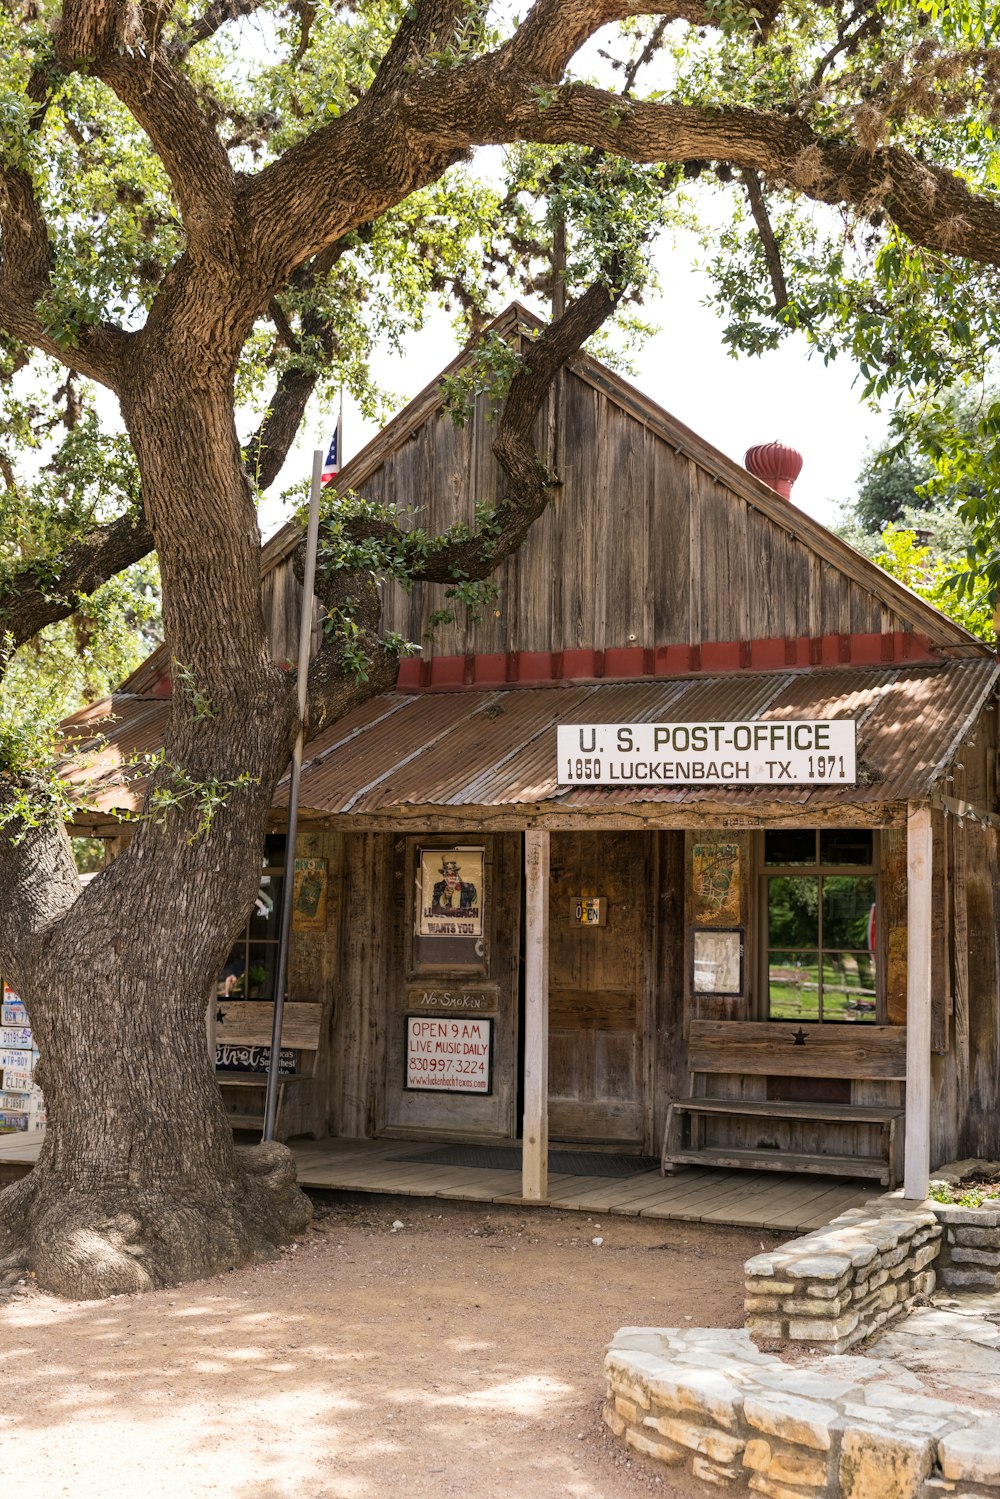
<point>965,1114</point>
<point>642,545</point>
<point>668,1048</point>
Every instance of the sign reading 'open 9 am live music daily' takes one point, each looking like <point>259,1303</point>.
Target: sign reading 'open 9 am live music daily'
<point>760,752</point>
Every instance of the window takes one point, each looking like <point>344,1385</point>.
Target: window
<point>820,895</point>
<point>251,969</point>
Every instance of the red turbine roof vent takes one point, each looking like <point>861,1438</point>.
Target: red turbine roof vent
<point>776,465</point>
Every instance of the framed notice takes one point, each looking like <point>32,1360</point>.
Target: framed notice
<point>717,961</point>
<point>451,890</point>
<point>449,1055</point>
<point>450,907</point>
<point>309,895</point>
<point>715,884</point>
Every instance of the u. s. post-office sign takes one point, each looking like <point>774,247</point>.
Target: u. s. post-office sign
<point>760,752</point>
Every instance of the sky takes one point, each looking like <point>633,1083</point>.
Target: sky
<point>783,396</point>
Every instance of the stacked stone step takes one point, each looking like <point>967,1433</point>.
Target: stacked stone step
<point>970,1249</point>
<point>832,1288</point>
<point>970,1253</point>
<point>839,1427</point>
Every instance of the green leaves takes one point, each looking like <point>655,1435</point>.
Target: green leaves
<point>968,599</point>
<point>489,373</point>
<point>175,791</point>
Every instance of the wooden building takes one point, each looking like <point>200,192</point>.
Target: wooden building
<point>508,945</point>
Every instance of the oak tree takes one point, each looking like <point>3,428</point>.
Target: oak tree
<point>206,206</point>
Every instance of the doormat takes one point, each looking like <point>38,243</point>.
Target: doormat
<point>508,1158</point>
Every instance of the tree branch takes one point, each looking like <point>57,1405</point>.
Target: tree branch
<point>112,42</point>
<point>268,448</point>
<point>26,263</point>
<point>553,31</point>
<point>527,487</point>
<point>335,687</point>
<point>431,23</point>
<point>932,205</point>
<point>39,594</point>
<point>526,484</point>
<point>207,24</point>
<point>333,181</point>
<point>40,885</point>
<point>864,11</point>
<point>772,254</point>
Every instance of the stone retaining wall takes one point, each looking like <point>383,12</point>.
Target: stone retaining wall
<point>970,1247</point>
<point>838,1285</point>
<point>852,1427</point>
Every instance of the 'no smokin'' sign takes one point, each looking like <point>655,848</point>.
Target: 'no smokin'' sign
<point>761,752</point>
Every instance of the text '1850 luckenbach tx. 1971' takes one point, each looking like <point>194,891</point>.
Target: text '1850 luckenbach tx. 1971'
<point>761,752</point>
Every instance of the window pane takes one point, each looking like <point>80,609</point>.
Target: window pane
<point>849,986</point>
<point>792,985</point>
<point>230,980</point>
<point>266,914</point>
<point>847,907</point>
<point>846,846</point>
<point>790,846</point>
<point>261,973</point>
<point>274,849</point>
<point>793,911</point>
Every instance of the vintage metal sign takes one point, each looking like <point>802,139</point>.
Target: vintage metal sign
<point>759,752</point>
<point>309,895</point>
<point>448,1056</point>
<point>589,910</point>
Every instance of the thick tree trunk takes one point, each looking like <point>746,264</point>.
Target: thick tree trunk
<point>139,1183</point>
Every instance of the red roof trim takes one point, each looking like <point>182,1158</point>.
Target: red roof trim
<point>535,668</point>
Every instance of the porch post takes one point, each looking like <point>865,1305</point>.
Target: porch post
<point>535,1138</point>
<point>916,1171</point>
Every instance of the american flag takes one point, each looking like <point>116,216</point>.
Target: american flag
<point>331,467</point>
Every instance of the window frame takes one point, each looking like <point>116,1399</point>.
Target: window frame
<point>766,872</point>
<point>244,941</point>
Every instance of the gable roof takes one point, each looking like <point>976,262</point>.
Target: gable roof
<point>517,320</point>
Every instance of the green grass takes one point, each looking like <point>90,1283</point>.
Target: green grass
<point>794,992</point>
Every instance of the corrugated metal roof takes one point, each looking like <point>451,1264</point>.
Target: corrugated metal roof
<point>104,745</point>
<point>498,747</point>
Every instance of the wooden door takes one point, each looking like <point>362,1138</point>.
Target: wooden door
<point>596,988</point>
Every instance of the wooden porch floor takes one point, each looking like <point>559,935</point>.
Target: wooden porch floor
<point>744,1199</point>
<point>749,1199</point>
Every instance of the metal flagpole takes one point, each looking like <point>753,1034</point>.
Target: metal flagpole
<point>305,644</point>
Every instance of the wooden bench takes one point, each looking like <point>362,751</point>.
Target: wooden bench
<point>779,1049</point>
<point>245,1026</point>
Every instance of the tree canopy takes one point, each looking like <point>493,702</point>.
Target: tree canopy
<point>209,210</point>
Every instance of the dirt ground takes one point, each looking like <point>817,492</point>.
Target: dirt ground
<point>458,1355</point>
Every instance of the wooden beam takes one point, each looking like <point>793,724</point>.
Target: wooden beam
<point>650,816</point>
<point>919,871</point>
<point>535,1141</point>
